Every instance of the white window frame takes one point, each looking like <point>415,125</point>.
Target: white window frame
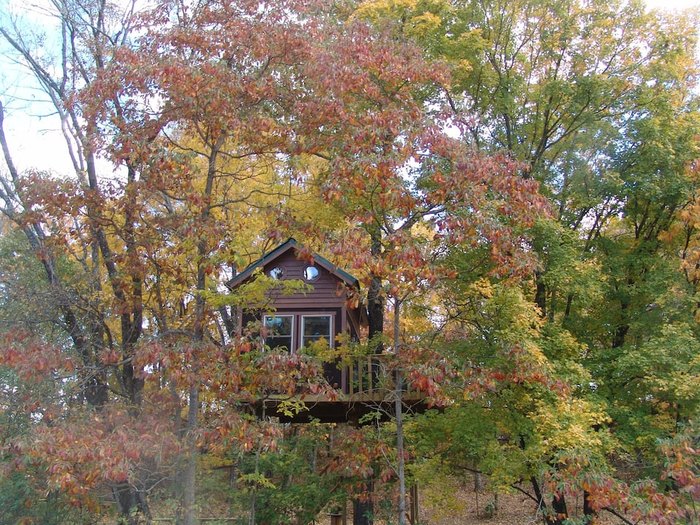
<point>330,329</point>
<point>293,346</point>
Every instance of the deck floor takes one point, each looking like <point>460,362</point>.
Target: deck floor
<point>355,409</point>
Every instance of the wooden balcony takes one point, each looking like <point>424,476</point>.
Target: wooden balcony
<point>367,392</point>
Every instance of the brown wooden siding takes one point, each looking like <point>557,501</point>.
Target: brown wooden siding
<point>327,297</point>
<point>327,289</point>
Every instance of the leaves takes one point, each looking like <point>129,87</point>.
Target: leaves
<point>516,180</point>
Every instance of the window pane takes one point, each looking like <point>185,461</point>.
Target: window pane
<point>315,327</point>
<point>279,331</point>
<point>311,273</point>
<point>276,273</point>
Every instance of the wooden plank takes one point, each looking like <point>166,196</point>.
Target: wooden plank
<point>305,302</point>
<point>361,377</point>
<point>355,397</point>
<point>343,318</point>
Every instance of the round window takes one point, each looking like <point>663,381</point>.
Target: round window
<point>311,273</point>
<point>276,273</point>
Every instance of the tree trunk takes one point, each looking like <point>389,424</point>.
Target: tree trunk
<point>375,298</point>
<point>128,501</point>
<point>569,301</point>
<point>415,507</point>
<point>541,505</point>
<point>190,474</point>
<point>363,511</point>
<point>560,511</point>
<point>588,510</point>
<point>623,325</point>
<point>398,409</point>
<point>620,335</point>
<point>189,478</point>
<point>478,481</point>
<point>540,294</point>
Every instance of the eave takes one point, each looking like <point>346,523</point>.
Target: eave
<point>291,244</point>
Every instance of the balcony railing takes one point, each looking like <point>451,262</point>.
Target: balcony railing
<point>372,377</point>
<point>367,386</point>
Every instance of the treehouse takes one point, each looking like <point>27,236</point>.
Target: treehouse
<point>324,308</point>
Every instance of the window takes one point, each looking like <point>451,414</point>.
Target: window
<point>291,331</point>
<point>276,273</point>
<point>315,327</point>
<point>311,273</point>
<point>280,331</point>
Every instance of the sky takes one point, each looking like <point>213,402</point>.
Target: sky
<point>34,132</point>
<point>672,4</point>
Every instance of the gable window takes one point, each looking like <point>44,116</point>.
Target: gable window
<point>280,330</point>
<point>315,327</point>
<point>276,273</point>
<point>311,273</point>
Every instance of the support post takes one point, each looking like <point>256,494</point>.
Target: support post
<point>363,511</point>
<point>413,513</point>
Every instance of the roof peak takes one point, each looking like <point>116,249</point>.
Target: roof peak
<point>280,250</point>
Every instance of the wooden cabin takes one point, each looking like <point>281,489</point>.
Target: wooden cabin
<point>326,309</point>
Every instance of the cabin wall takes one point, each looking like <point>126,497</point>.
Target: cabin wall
<point>327,296</point>
<point>328,291</point>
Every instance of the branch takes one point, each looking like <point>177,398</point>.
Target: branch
<point>619,516</point>
<point>41,73</point>
<point>5,148</point>
<point>526,493</point>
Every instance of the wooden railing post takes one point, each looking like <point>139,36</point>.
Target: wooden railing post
<point>359,378</point>
<point>367,374</point>
<point>351,379</point>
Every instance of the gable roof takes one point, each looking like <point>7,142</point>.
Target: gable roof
<point>283,248</point>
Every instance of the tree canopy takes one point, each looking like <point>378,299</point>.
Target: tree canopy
<point>515,184</point>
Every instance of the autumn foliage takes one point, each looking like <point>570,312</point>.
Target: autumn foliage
<point>515,187</point>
